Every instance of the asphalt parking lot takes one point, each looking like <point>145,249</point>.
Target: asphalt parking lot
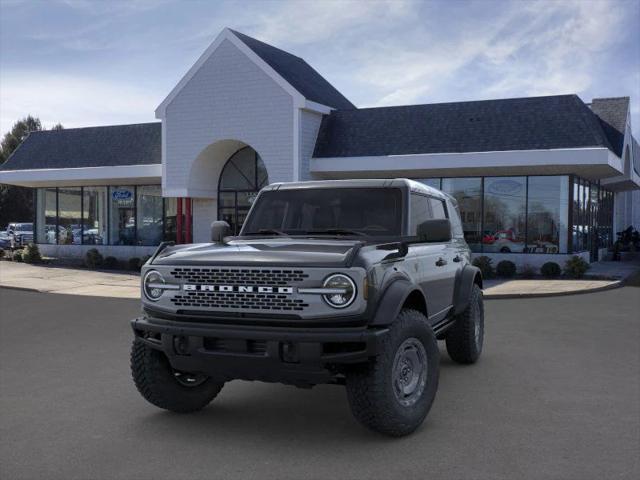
<point>555,395</point>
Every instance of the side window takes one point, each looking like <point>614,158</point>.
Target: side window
<point>454,217</point>
<point>420,211</point>
<point>437,208</point>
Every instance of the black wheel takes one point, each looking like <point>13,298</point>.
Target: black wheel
<point>394,392</point>
<point>464,339</point>
<point>167,388</point>
<point>505,250</point>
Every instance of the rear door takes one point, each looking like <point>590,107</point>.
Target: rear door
<point>449,260</point>
<point>431,261</point>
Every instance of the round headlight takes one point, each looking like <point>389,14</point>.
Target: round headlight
<point>344,291</point>
<point>151,283</point>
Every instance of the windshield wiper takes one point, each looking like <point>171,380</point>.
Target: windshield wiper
<point>336,231</point>
<point>268,231</point>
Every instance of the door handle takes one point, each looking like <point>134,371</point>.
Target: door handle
<point>457,258</point>
<point>441,262</point>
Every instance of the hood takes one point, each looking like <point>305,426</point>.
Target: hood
<point>263,252</point>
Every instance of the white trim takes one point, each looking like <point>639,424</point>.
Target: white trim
<point>455,163</point>
<point>137,174</point>
<point>296,144</point>
<point>317,107</point>
<point>227,34</point>
<point>163,153</point>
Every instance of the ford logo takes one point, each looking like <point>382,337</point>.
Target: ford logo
<point>121,195</point>
<point>505,187</point>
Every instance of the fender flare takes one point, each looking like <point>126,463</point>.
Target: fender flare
<point>464,283</point>
<point>392,300</point>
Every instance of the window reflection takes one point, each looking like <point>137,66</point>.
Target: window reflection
<point>46,215</point>
<point>149,215</point>
<point>122,221</point>
<point>504,214</point>
<point>547,214</point>
<point>468,193</point>
<point>69,216</point>
<point>94,216</point>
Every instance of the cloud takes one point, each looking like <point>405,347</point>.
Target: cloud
<point>296,22</point>
<point>533,48</point>
<point>72,100</point>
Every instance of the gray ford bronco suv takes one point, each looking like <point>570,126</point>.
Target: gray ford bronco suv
<point>349,282</point>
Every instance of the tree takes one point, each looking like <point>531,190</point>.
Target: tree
<point>16,203</point>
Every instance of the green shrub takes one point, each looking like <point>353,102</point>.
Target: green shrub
<point>134,264</point>
<point>32,254</point>
<point>17,256</point>
<point>110,263</point>
<point>575,267</point>
<point>506,269</point>
<point>528,271</point>
<point>485,265</point>
<point>93,258</point>
<point>1,252</point>
<point>551,270</point>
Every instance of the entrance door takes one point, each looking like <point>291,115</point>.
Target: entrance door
<point>242,177</point>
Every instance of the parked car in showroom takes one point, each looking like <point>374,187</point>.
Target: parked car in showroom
<point>5,240</point>
<point>346,282</point>
<point>20,234</point>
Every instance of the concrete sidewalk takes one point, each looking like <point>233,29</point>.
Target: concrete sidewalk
<point>72,281</point>
<point>77,281</point>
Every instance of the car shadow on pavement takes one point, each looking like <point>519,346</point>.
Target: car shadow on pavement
<point>255,410</point>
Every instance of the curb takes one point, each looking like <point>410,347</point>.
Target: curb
<point>506,296</point>
<point>23,289</point>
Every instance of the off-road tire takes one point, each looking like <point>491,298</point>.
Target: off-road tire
<point>462,344</point>
<point>155,380</point>
<point>370,387</point>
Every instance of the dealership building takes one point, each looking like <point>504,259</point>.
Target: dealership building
<point>536,179</point>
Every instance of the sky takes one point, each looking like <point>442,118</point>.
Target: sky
<point>102,62</point>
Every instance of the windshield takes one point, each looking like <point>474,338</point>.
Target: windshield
<point>323,211</point>
<point>24,227</point>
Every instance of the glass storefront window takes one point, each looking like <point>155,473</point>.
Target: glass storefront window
<point>242,177</point>
<point>504,214</point>
<point>46,215</point>
<point>170,219</point>
<point>69,216</point>
<point>468,193</point>
<point>430,182</point>
<point>149,215</point>
<point>122,217</point>
<point>547,215</point>
<point>94,215</point>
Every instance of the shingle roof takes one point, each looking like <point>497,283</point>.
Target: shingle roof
<point>612,113</point>
<point>114,145</point>
<point>532,123</point>
<point>298,73</point>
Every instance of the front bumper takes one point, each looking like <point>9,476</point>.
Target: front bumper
<point>296,355</point>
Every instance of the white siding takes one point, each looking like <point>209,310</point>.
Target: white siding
<point>309,126</point>
<point>229,97</point>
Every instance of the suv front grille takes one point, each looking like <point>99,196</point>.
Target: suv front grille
<point>250,301</point>
<point>238,276</point>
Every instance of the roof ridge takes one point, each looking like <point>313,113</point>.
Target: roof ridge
<point>237,33</point>
<point>466,102</point>
<point>625,97</point>
<point>97,126</point>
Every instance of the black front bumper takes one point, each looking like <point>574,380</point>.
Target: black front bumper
<point>297,355</point>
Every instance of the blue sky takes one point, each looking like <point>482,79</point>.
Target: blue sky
<point>82,62</point>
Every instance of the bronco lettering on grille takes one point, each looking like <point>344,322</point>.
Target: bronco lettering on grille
<point>237,289</point>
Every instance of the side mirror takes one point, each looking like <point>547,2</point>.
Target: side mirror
<point>219,230</point>
<point>437,230</point>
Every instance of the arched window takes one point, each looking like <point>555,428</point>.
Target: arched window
<point>242,177</point>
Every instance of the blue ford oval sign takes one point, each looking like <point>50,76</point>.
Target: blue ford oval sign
<point>121,194</point>
<point>505,187</point>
